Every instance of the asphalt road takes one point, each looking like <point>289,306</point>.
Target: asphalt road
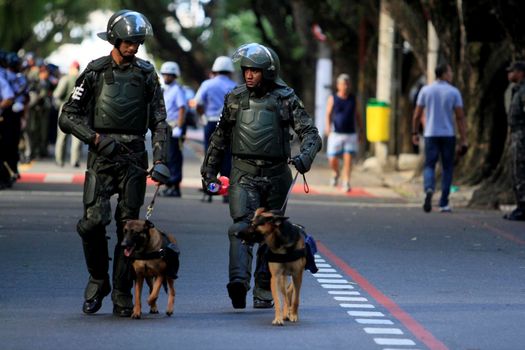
<point>392,277</point>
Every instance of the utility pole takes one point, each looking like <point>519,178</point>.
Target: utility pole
<point>384,70</point>
<point>432,52</point>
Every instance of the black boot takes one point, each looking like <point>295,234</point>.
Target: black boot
<point>96,290</point>
<point>237,293</point>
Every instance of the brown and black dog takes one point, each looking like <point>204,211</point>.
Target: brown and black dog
<point>286,260</point>
<point>155,258</point>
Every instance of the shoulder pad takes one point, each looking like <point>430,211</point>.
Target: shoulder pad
<point>283,91</point>
<point>144,65</point>
<point>239,90</point>
<point>99,64</point>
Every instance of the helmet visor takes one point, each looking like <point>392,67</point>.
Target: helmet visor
<point>253,52</point>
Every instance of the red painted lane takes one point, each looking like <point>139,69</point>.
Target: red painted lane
<point>78,178</point>
<point>411,324</point>
<point>497,231</point>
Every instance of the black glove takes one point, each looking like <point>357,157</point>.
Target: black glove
<point>302,163</point>
<point>207,180</point>
<point>160,173</point>
<point>107,146</point>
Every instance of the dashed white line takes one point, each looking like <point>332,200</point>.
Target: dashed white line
<point>390,331</point>
<point>373,321</point>
<point>337,286</point>
<point>322,270</point>
<point>330,280</point>
<point>343,292</point>
<point>393,341</point>
<point>361,310</point>
<point>327,275</point>
<point>357,306</point>
<point>366,313</point>
<point>350,299</point>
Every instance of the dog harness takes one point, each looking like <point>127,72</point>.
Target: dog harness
<point>291,255</point>
<point>168,252</point>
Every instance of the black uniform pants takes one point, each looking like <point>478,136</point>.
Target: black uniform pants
<point>124,175</point>
<point>247,193</point>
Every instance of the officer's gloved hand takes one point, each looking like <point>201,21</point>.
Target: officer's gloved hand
<point>107,146</point>
<point>160,173</point>
<point>302,163</point>
<point>209,183</point>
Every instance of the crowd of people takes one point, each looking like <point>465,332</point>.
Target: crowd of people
<point>28,111</point>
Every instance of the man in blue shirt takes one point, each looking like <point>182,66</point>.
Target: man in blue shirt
<point>210,100</point>
<point>6,100</point>
<point>175,101</point>
<point>440,101</point>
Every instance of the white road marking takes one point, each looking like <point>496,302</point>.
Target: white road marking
<point>328,275</point>
<point>393,341</point>
<point>343,292</point>
<point>350,299</point>
<point>325,270</point>
<point>373,321</point>
<point>366,313</point>
<point>358,306</point>
<point>391,331</point>
<point>337,286</point>
<point>334,281</point>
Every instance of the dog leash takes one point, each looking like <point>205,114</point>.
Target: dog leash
<point>149,210</point>
<point>306,189</point>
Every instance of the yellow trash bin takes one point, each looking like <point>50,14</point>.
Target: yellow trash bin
<point>377,121</point>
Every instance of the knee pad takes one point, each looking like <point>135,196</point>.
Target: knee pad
<point>90,230</point>
<point>237,227</point>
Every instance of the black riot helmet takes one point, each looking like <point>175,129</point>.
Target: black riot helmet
<point>261,57</point>
<point>127,25</point>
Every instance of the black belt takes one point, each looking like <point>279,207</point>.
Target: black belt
<point>260,171</point>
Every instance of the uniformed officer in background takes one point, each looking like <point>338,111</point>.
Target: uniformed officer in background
<point>516,122</point>
<point>255,123</point>
<point>175,100</point>
<point>210,100</point>
<point>115,100</point>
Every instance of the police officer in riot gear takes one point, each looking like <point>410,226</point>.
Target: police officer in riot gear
<point>115,100</point>
<point>254,124</point>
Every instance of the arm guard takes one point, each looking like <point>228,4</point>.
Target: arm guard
<point>219,143</point>
<point>157,122</point>
<point>74,118</point>
<point>304,127</point>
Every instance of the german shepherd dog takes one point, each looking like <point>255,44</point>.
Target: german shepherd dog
<point>286,259</point>
<point>155,258</point>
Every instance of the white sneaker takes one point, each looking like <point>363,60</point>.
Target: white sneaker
<point>445,209</point>
<point>333,181</point>
<point>347,187</point>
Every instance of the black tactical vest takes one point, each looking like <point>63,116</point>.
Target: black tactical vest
<point>261,128</point>
<point>121,106</point>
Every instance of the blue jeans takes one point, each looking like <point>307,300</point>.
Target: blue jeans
<point>436,147</point>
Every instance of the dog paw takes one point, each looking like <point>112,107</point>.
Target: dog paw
<point>153,311</point>
<point>136,316</point>
<point>278,322</point>
<point>169,313</point>
<point>293,318</point>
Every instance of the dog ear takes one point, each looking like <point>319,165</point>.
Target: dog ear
<point>279,219</point>
<point>259,211</point>
<point>149,224</point>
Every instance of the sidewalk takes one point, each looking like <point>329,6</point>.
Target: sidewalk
<point>364,184</point>
<point>391,185</point>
